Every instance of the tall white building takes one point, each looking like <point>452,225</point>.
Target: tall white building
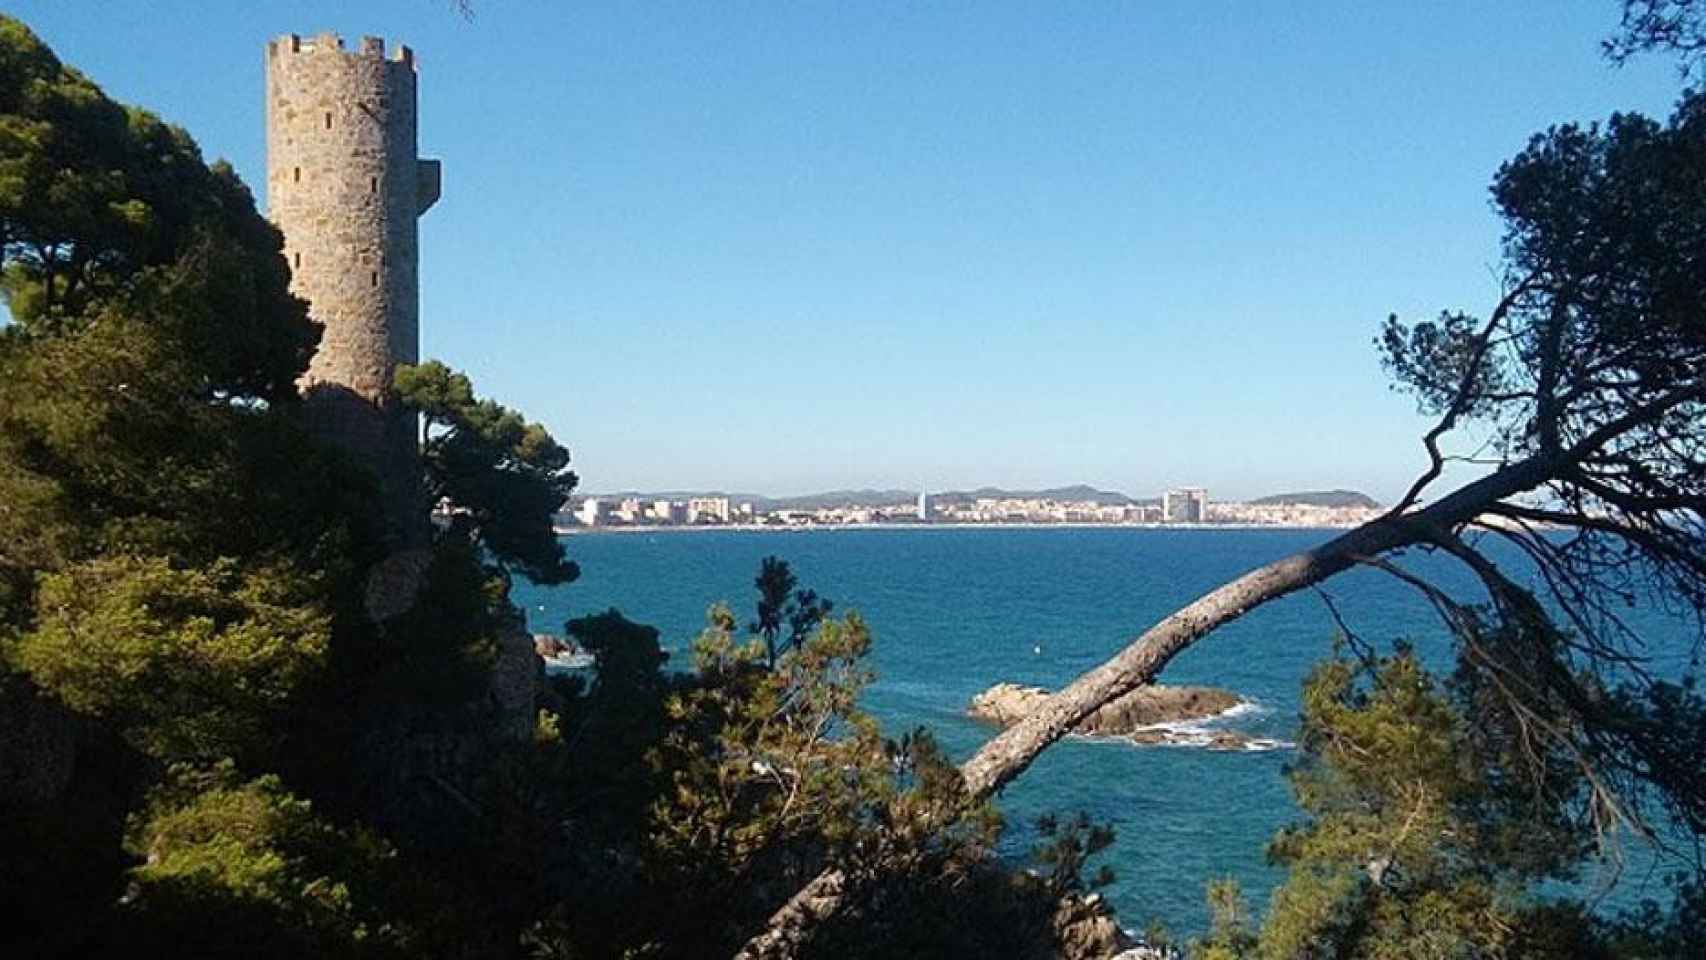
<point>923,506</point>
<point>708,510</point>
<point>1184,505</point>
<point>593,512</point>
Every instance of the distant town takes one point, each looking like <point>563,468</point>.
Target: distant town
<point>1183,506</point>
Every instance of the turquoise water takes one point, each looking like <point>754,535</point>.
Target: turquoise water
<point>956,610</point>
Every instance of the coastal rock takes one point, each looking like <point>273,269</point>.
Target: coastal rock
<point>1207,739</point>
<point>1085,929</point>
<point>1136,713</point>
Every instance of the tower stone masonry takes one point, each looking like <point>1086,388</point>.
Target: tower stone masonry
<point>346,187</point>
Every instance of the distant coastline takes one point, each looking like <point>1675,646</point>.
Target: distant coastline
<point>970,525</point>
<point>985,507</point>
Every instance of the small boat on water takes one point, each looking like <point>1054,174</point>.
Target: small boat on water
<point>565,662</point>
<point>561,655</point>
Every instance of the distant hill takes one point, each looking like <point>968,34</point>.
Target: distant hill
<point>1078,492</point>
<point>671,495</point>
<point>1323,498</point>
<point>838,498</point>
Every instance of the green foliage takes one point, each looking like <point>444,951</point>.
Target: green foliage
<point>1602,316</point>
<point>502,476</point>
<point>186,664</point>
<point>93,194</point>
<point>109,441</point>
<point>1065,849</point>
<point>758,759</point>
<point>227,861</point>
<point>155,346</point>
<point>627,654</point>
<point>752,779</point>
<point>1587,378</point>
<point>779,605</point>
<point>441,650</point>
<point>1229,935</point>
<point>1394,862</point>
<point>775,583</point>
<point>1432,817</point>
<point>607,732</point>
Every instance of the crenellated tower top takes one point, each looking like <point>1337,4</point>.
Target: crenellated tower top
<point>370,47</point>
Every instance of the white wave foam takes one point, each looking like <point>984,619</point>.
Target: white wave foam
<point>1203,731</point>
<point>1199,733</point>
<point>1208,724</point>
<point>1243,708</point>
<point>1204,740</point>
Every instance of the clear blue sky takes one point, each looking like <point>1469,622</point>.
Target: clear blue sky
<point>791,246</point>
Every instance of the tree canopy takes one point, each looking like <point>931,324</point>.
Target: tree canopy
<point>97,197</point>
<point>501,477</point>
<point>1677,26</point>
<point>780,604</point>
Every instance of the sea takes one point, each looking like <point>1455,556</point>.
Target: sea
<point>956,610</point>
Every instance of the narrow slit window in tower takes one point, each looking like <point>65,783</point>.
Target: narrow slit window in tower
<point>373,279</point>
<point>297,260</point>
<point>372,184</point>
<point>296,174</point>
<point>328,120</point>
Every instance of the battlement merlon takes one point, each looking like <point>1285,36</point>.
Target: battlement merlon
<point>370,47</point>
<point>429,176</point>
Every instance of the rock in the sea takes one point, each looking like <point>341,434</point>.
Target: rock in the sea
<point>1008,703</point>
<point>1085,929</point>
<point>1228,740</point>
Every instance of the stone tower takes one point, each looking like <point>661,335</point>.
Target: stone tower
<point>345,186</point>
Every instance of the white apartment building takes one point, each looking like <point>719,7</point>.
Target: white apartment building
<point>1184,505</point>
<point>708,510</point>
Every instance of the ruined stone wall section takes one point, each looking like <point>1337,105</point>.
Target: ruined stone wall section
<point>344,185</point>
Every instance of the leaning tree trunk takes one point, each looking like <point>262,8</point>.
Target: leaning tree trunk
<point>1011,752</point>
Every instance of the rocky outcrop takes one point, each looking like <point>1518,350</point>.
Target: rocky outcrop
<point>1145,707</point>
<point>1085,929</point>
<point>1152,715</point>
<point>1206,739</point>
